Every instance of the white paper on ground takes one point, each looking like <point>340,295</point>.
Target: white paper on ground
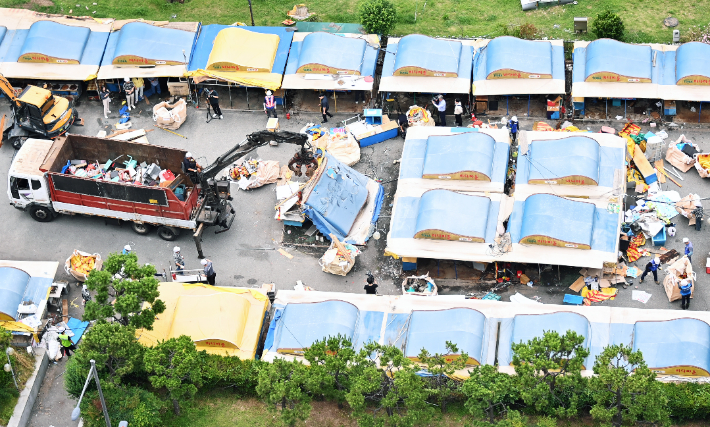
<point>522,299</point>
<point>641,296</point>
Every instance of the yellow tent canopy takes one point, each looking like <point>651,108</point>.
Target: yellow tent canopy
<point>224,321</point>
<point>237,50</point>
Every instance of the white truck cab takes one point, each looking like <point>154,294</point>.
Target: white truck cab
<point>27,187</point>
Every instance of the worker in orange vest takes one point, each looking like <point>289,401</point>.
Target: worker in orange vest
<point>270,104</point>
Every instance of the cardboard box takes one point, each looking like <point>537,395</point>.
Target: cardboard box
<point>272,125</point>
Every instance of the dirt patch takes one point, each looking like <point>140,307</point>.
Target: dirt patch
<point>32,4</point>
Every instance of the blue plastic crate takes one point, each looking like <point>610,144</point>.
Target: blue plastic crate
<point>573,300</point>
<point>660,238</point>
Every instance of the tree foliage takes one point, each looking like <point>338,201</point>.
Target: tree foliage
<point>625,389</point>
<point>489,393</point>
<point>377,16</point>
<point>122,288</point>
<point>282,385</point>
<point>330,361</point>
<point>549,371</point>
<point>384,377</point>
<point>441,385</point>
<point>115,350</point>
<point>608,25</point>
<point>241,376</point>
<point>139,407</point>
<point>176,366</point>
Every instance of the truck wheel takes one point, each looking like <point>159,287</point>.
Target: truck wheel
<point>168,233</point>
<point>41,213</point>
<point>141,228</point>
<point>17,141</point>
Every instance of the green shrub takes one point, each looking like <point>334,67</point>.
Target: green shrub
<point>688,401</point>
<point>231,372</point>
<point>378,16</point>
<point>139,407</point>
<point>608,25</point>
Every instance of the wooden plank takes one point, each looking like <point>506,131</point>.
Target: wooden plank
<point>2,128</point>
<point>342,249</point>
<point>642,163</point>
<point>661,169</point>
<point>65,310</point>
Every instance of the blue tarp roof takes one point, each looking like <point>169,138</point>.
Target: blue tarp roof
<point>529,326</point>
<point>305,323</point>
<point>16,287</point>
<point>151,42</point>
<point>428,53</point>
<point>203,46</point>
<point>344,53</point>
<point>521,55</point>
<point>463,152</point>
<point>56,40</point>
<point>684,342</point>
<point>13,44</point>
<point>453,212</point>
<point>416,150</point>
<point>431,329</point>
<point>558,158</point>
<point>692,59</point>
<point>338,197</point>
<point>606,55</point>
<point>567,220</point>
<point>480,62</point>
<point>3,31</point>
<point>406,221</point>
<point>368,62</point>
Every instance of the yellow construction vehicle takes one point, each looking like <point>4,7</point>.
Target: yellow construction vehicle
<point>36,114</point>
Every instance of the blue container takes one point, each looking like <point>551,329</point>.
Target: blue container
<point>660,238</point>
<point>573,300</point>
<point>373,116</point>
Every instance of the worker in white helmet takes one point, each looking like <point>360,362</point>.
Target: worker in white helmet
<point>270,104</point>
<point>209,271</point>
<point>178,259</point>
<point>130,89</point>
<point>126,250</point>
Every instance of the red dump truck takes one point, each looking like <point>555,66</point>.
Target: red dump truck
<point>77,174</point>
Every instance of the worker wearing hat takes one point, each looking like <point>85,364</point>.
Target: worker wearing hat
<point>324,107</point>
<point>126,250</point>
<point>686,291</point>
<point>513,125</point>
<point>191,167</point>
<point>652,267</point>
<point>208,270</point>
<point>178,259</point>
<point>688,249</point>
<point>130,90</point>
<point>270,104</point>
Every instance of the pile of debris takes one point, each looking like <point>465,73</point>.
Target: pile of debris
<point>128,171</point>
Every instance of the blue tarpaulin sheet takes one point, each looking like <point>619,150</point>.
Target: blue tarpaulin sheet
<point>692,59</point>
<point>56,40</point>
<point>559,158</point>
<point>78,328</point>
<point>305,323</point>
<point>611,56</point>
<point>463,152</point>
<point>432,329</point>
<point>456,213</point>
<point>510,53</point>
<point>679,342</point>
<point>428,53</point>
<point>150,42</point>
<point>343,53</point>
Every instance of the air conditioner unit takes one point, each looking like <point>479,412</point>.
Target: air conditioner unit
<point>580,25</point>
<point>676,36</point>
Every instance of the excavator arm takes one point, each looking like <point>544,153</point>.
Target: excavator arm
<point>7,88</point>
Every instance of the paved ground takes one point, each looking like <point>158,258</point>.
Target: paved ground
<point>239,255</point>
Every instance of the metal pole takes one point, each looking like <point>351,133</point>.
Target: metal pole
<point>700,110</point>
<point>101,394</point>
<point>607,108</point>
<point>528,105</point>
<point>11,369</point>
<point>251,13</point>
<point>624,108</point>
<point>506,104</point>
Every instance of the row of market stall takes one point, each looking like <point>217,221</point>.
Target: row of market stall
<point>65,51</point>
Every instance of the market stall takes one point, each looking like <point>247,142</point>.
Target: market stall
<point>234,59</point>
<point>149,49</point>
<point>56,50</point>
<point>508,66</point>
<point>337,63</point>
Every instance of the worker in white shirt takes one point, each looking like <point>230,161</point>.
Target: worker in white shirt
<point>441,106</point>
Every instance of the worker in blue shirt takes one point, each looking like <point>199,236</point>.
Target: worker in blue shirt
<point>686,290</point>
<point>441,106</point>
<point>126,250</point>
<point>513,125</point>
<point>653,268</point>
<point>688,249</point>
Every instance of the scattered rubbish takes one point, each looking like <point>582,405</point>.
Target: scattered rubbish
<point>301,287</point>
<point>286,254</point>
<point>339,258</point>
<point>619,117</point>
<point>170,116</point>
<point>80,264</point>
<point>299,12</point>
<point>641,296</point>
<point>517,298</point>
<point>420,285</point>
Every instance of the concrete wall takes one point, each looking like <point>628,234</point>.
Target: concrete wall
<point>23,409</point>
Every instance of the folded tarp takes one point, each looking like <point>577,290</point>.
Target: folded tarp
<point>431,330</point>
<point>342,201</point>
<point>253,57</point>
<point>674,347</point>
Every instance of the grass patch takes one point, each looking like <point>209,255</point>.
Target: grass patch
<point>643,18</point>
<point>23,364</point>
